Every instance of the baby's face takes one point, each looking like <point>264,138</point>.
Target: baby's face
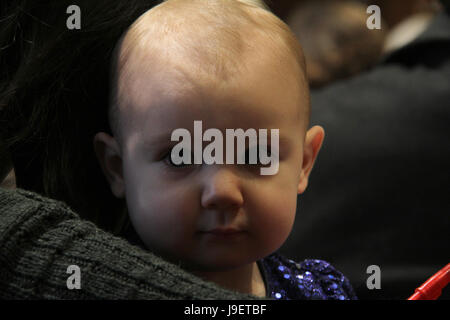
<point>175,209</point>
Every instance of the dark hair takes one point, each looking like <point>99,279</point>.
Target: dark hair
<point>54,97</point>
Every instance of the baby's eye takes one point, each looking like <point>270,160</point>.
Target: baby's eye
<point>251,155</point>
<point>168,160</point>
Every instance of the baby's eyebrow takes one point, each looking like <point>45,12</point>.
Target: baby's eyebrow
<point>164,139</point>
<point>157,141</point>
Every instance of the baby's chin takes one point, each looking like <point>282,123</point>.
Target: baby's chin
<point>197,267</point>
<point>215,263</point>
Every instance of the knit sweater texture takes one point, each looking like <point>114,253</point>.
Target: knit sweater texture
<point>40,238</point>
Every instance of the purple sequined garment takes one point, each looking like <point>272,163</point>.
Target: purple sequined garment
<point>311,279</point>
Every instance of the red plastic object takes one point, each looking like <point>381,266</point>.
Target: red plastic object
<point>432,288</point>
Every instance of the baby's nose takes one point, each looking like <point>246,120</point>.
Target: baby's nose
<point>222,190</point>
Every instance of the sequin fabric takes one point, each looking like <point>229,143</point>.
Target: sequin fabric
<point>308,280</point>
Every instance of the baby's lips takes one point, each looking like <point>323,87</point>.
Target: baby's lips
<point>223,231</point>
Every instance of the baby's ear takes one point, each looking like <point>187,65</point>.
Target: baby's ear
<point>108,154</point>
<point>313,143</point>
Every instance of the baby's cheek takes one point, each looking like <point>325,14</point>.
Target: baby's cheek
<point>159,223</point>
<point>170,214</point>
<point>159,211</point>
<point>274,216</point>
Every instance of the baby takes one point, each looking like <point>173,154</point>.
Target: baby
<point>230,65</point>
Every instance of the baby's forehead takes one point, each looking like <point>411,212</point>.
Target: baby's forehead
<point>215,36</point>
<point>178,81</point>
<point>178,48</point>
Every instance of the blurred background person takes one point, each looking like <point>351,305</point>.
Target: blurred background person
<point>335,39</point>
<point>398,11</point>
<point>381,185</point>
<point>407,20</point>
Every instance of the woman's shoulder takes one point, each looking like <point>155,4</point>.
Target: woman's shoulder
<point>308,279</point>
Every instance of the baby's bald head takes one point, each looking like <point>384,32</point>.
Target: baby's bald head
<point>212,41</point>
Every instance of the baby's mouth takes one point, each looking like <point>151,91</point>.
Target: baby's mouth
<point>224,232</point>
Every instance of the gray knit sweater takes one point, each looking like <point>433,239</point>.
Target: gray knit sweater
<point>40,238</point>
